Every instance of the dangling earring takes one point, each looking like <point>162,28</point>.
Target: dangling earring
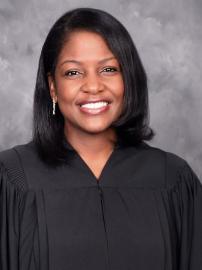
<point>54,104</point>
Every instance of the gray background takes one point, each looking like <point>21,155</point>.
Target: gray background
<point>168,36</point>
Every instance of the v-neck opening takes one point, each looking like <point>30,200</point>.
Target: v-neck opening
<point>106,165</point>
<point>77,159</point>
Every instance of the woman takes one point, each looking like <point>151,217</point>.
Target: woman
<point>87,192</point>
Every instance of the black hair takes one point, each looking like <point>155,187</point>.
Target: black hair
<point>132,127</point>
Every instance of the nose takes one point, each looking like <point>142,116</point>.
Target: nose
<point>92,83</point>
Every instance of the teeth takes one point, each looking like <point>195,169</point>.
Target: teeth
<point>95,105</point>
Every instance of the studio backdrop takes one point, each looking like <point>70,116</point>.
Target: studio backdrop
<point>168,36</point>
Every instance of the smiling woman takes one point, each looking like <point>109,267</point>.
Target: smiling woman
<point>89,56</point>
<point>88,87</point>
<point>87,192</point>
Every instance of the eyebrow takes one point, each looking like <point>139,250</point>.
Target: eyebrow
<point>80,63</point>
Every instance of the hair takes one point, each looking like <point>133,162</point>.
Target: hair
<point>132,127</point>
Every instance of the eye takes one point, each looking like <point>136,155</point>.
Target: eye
<point>110,69</point>
<point>72,73</point>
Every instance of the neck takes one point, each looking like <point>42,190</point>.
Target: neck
<point>91,144</point>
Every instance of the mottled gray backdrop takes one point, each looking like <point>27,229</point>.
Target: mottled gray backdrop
<point>168,36</point>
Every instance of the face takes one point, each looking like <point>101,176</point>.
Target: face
<point>88,84</point>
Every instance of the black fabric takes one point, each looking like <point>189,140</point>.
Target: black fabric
<point>145,212</point>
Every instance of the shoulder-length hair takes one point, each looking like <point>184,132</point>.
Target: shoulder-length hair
<point>132,127</point>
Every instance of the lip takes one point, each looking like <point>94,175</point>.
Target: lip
<point>94,111</point>
<point>82,102</point>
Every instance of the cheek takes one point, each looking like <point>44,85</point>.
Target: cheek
<point>66,93</point>
<point>120,94</point>
<point>65,101</point>
<point>119,90</point>
<point>119,85</point>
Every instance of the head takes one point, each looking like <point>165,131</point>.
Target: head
<point>127,87</point>
<point>87,71</point>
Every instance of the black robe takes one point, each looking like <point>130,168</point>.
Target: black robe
<point>144,213</point>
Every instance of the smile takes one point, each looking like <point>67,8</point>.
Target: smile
<point>95,105</point>
<point>94,108</point>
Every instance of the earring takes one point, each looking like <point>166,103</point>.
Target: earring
<point>54,104</point>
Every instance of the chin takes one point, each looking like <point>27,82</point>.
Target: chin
<point>95,130</point>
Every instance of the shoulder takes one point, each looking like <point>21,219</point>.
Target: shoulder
<point>161,157</point>
<point>172,167</point>
<point>25,167</point>
<point>172,160</point>
<point>11,163</point>
<point>159,154</point>
<point>13,154</point>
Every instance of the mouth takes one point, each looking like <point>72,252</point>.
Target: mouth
<point>91,101</point>
<point>94,108</point>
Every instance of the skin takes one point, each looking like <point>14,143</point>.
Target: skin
<point>93,73</point>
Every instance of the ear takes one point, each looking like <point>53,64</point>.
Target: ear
<point>52,88</point>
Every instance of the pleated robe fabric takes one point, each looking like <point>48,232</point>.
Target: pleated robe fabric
<point>143,213</point>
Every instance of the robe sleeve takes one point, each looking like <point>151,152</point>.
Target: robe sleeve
<point>10,197</point>
<point>190,192</point>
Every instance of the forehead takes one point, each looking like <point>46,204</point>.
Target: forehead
<point>85,46</point>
